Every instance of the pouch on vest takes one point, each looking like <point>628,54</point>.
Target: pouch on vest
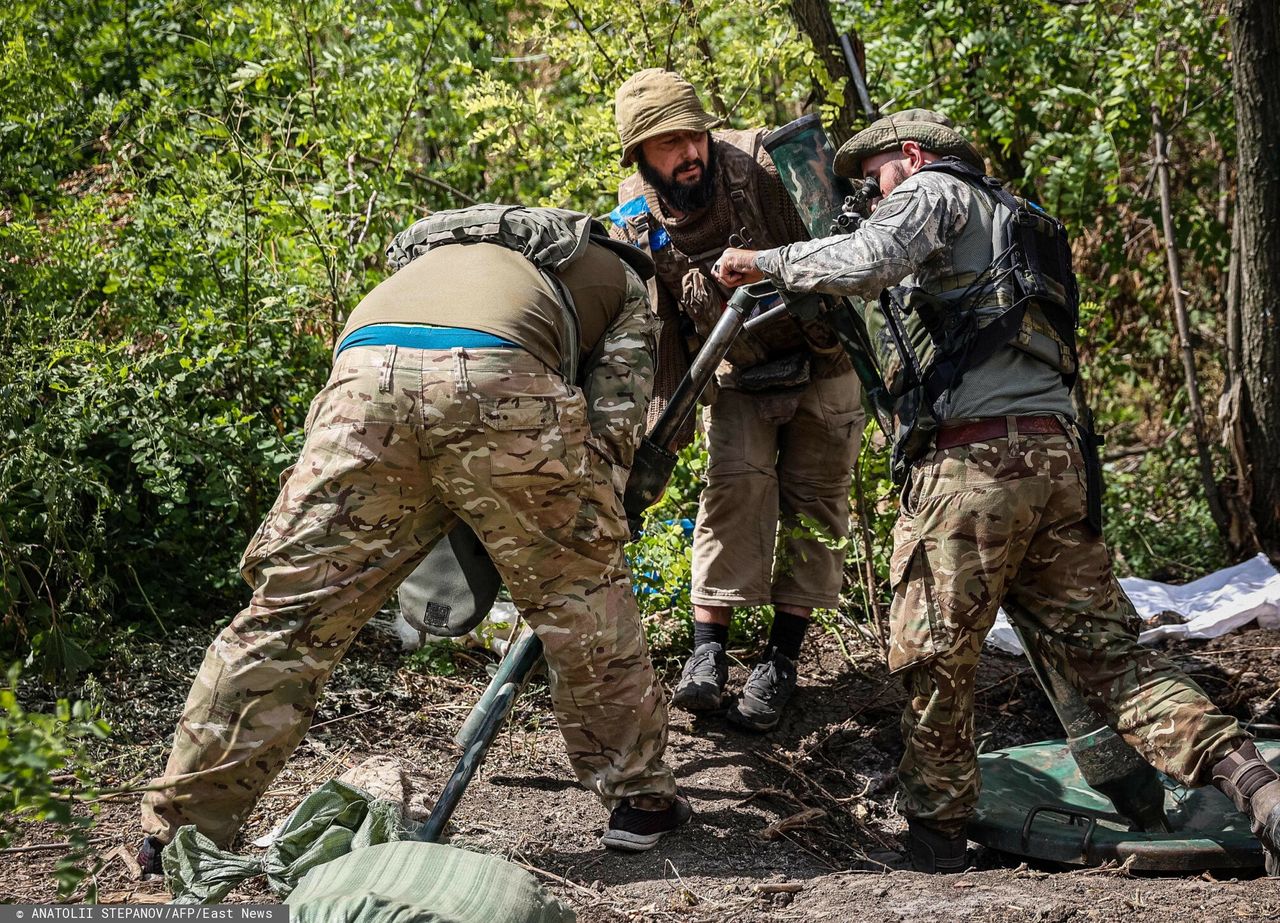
<point>454,587</point>
<point>786,373</point>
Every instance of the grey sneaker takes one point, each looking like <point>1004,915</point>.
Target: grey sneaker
<point>766,693</point>
<point>701,686</point>
<point>633,830</point>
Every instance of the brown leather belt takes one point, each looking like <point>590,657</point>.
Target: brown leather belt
<point>951,435</point>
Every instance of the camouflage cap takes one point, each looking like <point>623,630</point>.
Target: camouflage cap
<point>653,102</point>
<point>933,131</point>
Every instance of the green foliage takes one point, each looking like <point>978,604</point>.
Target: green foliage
<point>196,194</point>
<point>41,755</point>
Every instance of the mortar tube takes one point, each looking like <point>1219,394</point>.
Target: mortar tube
<point>521,659</point>
<point>1107,764</point>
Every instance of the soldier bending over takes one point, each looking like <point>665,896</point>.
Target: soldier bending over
<point>454,396</point>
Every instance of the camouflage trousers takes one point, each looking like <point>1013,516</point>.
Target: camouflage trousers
<point>1002,523</point>
<point>400,444</point>
<point>762,472</point>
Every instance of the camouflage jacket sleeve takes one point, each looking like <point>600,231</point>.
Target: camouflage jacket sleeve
<point>910,233</point>
<point>618,384</point>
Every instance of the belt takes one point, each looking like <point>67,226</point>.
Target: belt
<point>422,336</point>
<point>955,434</point>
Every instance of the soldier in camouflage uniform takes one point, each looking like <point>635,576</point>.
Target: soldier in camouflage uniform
<point>424,423</point>
<point>994,504</point>
<point>784,425</point>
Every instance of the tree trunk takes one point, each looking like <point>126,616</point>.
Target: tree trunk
<point>813,18</point>
<point>1255,64</point>
<point>1183,325</point>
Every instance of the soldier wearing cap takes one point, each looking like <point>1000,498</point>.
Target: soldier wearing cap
<point>785,422</point>
<point>994,506</point>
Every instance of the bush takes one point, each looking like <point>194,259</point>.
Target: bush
<point>41,755</point>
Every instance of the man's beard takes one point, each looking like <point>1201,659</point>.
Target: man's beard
<point>684,197</point>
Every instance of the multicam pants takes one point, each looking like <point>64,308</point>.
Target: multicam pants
<point>398,443</point>
<point>760,472</point>
<point>1002,522</point>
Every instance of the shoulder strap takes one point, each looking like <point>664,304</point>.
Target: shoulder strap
<point>949,368</point>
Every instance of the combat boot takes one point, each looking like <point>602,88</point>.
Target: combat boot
<point>701,686</point>
<point>1254,787</point>
<point>936,852</point>
<point>766,693</point>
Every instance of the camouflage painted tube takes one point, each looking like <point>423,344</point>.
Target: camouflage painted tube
<point>804,159</point>
<point>1109,765</point>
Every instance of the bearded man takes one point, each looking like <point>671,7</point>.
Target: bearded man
<point>784,424</point>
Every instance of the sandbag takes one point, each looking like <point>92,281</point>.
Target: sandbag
<point>411,882</point>
<point>453,589</point>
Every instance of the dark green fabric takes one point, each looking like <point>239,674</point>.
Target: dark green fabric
<point>422,883</point>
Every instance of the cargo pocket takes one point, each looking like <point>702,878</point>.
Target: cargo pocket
<point>253,552</point>
<point>913,614</point>
<point>533,442</point>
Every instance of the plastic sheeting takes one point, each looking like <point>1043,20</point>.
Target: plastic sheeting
<point>1211,606</point>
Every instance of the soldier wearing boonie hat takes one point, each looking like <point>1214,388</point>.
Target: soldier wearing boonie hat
<point>995,509</point>
<point>784,428</point>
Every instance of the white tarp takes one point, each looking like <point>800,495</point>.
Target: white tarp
<point>1211,606</point>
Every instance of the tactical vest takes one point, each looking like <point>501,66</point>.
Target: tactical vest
<point>737,156</point>
<point>927,336</point>
<point>549,238</point>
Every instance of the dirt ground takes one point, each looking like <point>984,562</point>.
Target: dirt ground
<point>833,756</point>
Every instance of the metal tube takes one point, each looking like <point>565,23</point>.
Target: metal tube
<point>855,71</point>
<point>499,707</point>
<point>705,363</point>
<point>521,659</point>
<point>1108,764</point>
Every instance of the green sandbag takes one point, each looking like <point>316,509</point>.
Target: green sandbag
<point>333,820</point>
<point>408,882</point>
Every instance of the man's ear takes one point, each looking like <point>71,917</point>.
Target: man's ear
<point>914,154</point>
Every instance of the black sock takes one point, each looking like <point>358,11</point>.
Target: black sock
<point>788,633</point>
<point>710,633</point>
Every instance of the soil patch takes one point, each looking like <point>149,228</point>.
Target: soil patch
<point>797,824</point>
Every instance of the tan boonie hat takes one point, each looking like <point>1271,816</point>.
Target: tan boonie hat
<point>654,102</point>
<point>933,131</point>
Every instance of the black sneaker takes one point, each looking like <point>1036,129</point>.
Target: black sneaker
<point>634,830</point>
<point>935,852</point>
<point>766,693</point>
<point>148,858</point>
<point>701,685</point>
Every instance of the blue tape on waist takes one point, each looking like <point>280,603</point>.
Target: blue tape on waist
<point>423,336</point>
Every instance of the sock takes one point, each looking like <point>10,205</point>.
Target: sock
<point>788,634</point>
<point>710,633</point>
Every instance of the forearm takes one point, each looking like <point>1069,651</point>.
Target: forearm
<point>843,265</point>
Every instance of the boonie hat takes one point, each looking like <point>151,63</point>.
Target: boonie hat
<point>653,102</point>
<point>932,130</point>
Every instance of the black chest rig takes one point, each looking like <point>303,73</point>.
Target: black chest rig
<point>1026,298</point>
